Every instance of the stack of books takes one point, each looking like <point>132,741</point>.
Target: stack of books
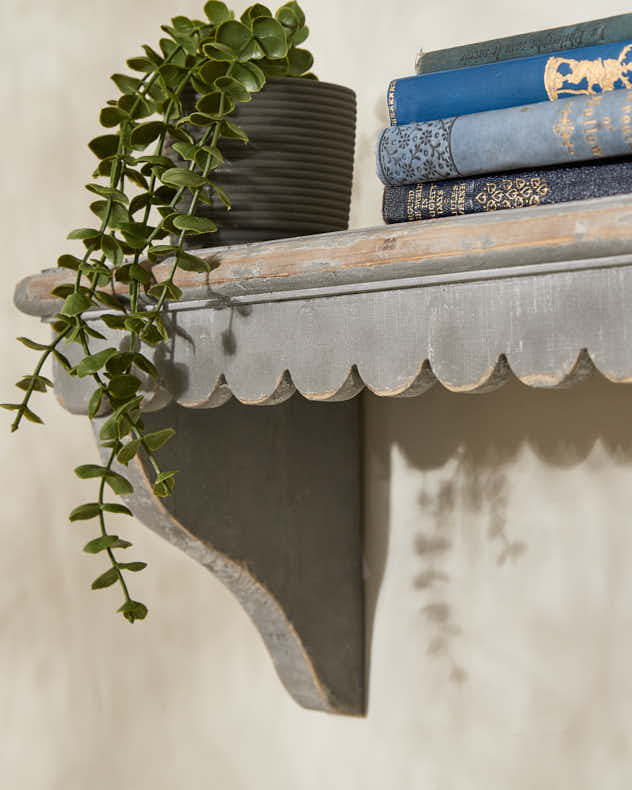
<point>542,117</point>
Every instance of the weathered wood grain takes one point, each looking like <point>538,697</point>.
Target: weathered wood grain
<point>443,247</point>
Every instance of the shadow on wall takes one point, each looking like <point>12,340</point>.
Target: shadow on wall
<point>473,437</point>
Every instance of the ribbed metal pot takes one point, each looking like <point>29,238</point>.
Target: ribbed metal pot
<point>294,176</point>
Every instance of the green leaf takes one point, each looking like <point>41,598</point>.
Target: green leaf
<point>124,386</point>
<point>35,383</point>
<point>295,9</point>
<point>217,12</point>
<point>106,579</point>
<point>164,484</point>
<point>94,404</point>
<point>271,36</point>
<point>211,70</point>
<point>275,68</point>
<point>87,471</point>
<point>114,507</point>
<point>108,192</point>
<point>234,35</point>
<point>194,224</point>
<point>112,116</point>
<point>101,543</point>
<point>135,106</point>
<point>144,364</point>
<point>134,567</point>
<point>125,83</point>
<point>253,12</point>
<point>211,104</point>
<point>191,263</point>
<point>300,35</point>
<point>83,234</point>
<point>163,161</point>
<point>133,610</point>
<point>32,344</point>
<point>109,300</point>
<point>221,194</point>
<point>146,133</point>
<point>231,129</point>
<point>94,362</point>
<point>300,61</point>
<point>249,75</point>
<point>179,177</point>
<point>104,146</point>
<point>114,321</point>
<point>115,212</point>
<point>186,150</point>
<point>68,262</point>
<point>75,304</point>
<point>85,512</point>
<point>63,361</point>
<point>119,363</point>
<point>141,64</point>
<point>127,452</point>
<point>136,178</point>
<point>154,441</point>
<point>233,88</point>
<point>111,250</point>
<point>118,483</point>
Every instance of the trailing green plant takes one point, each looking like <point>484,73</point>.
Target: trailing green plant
<point>140,223</point>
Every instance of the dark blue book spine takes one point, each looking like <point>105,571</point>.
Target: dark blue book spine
<point>493,86</point>
<point>507,190</point>
<point>525,45</point>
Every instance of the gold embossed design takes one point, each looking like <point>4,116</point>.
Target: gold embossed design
<point>564,129</point>
<point>569,77</point>
<point>512,193</point>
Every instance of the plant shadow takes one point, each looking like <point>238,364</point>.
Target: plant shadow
<point>467,441</point>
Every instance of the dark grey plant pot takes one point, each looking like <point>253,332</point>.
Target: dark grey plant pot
<point>294,176</point>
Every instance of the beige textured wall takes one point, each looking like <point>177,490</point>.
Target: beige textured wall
<point>510,671</point>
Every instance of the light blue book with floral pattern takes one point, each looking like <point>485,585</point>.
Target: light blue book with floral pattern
<point>576,129</point>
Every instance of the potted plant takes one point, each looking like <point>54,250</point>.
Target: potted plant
<point>173,159</point>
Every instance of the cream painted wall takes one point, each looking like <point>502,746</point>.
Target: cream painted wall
<point>498,526</point>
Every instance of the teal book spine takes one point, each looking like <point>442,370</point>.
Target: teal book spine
<point>494,86</point>
<point>525,45</point>
<point>498,191</point>
<point>571,130</point>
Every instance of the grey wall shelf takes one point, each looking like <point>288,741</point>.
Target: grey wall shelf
<point>270,499</point>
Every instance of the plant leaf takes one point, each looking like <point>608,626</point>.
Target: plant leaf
<point>194,224</point>
<point>91,364</point>
<point>133,610</point>
<point>156,440</point>
<point>106,579</point>
<point>179,177</point>
<point>118,483</point>
<point>133,566</point>
<point>75,304</point>
<point>100,544</point>
<point>85,512</point>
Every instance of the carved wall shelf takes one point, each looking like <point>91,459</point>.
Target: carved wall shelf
<point>269,499</point>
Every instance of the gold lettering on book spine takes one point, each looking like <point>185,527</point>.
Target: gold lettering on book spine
<point>512,193</point>
<point>564,129</point>
<point>568,77</point>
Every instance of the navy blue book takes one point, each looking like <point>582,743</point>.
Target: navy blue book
<point>493,86</point>
<point>507,190</point>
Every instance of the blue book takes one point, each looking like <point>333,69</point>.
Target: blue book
<point>576,129</point>
<point>494,86</point>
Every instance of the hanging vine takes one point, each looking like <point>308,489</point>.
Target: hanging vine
<point>141,222</point>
